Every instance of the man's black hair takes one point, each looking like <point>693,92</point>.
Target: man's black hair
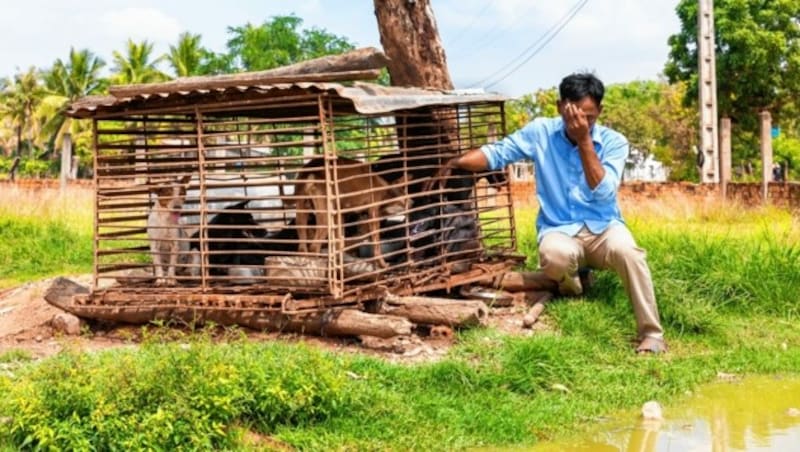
<point>576,86</point>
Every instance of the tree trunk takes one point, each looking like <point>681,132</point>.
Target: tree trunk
<point>411,41</point>
<point>19,141</point>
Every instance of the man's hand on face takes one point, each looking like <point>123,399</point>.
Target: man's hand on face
<point>576,123</point>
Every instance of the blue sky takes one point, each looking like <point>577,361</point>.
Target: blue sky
<point>621,40</point>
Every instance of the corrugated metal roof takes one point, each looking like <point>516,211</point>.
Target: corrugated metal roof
<point>367,98</point>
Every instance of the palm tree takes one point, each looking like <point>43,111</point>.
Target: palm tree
<point>20,99</point>
<point>65,83</point>
<point>135,66</point>
<point>186,58</point>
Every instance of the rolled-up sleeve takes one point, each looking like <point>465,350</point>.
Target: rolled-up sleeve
<point>613,161</point>
<point>513,148</point>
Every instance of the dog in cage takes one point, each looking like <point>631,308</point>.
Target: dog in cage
<point>164,228</point>
<point>356,187</point>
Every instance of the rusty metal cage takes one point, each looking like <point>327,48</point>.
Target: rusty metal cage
<point>293,197</point>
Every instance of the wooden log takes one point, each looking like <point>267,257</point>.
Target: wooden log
<point>342,322</point>
<point>61,291</point>
<point>436,311</point>
<point>359,64</point>
<point>526,281</point>
<point>246,79</point>
<point>352,322</point>
<point>493,298</point>
<point>539,300</point>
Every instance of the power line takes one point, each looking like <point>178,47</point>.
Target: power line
<point>473,22</point>
<point>488,37</point>
<point>541,42</point>
<point>545,38</point>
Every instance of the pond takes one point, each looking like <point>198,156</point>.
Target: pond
<point>752,414</point>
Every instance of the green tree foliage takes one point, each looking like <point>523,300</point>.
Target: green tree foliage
<point>542,103</point>
<point>187,58</point>
<point>757,60</point>
<point>651,115</point>
<point>279,42</point>
<point>18,102</point>
<point>65,83</point>
<point>136,66</point>
<point>787,152</point>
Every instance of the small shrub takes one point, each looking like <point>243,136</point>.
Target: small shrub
<point>172,396</point>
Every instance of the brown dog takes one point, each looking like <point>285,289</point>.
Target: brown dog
<point>356,188</point>
<point>164,229</point>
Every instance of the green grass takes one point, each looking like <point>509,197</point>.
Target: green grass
<point>44,233</point>
<point>31,249</point>
<point>726,288</point>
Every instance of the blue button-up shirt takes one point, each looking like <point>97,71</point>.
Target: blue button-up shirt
<point>566,203</point>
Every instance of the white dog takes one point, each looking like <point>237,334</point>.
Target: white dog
<point>164,229</point>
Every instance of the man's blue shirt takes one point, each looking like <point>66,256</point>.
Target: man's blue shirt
<point>566,203</point>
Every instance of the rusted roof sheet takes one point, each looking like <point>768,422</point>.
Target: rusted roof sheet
<point>367,98</point>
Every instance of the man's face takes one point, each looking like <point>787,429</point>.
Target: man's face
<point>587,105</point>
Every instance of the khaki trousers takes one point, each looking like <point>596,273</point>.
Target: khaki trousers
<point>560,257</point>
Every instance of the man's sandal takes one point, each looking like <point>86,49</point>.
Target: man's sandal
<point>651,345</point>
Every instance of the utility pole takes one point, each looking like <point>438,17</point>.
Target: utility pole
<point>706,54</point>
<point>66,161</point>
<point>766,153</point>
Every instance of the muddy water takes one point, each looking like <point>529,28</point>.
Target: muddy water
<point>754,414</point>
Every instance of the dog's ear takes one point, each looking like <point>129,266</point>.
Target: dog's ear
<point>185,179</point>
<point>400,186</point>
<point>162,191</point>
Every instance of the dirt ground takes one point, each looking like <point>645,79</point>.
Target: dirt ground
<point>25,324</point>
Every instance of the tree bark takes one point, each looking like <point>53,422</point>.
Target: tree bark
<point>410,39</point>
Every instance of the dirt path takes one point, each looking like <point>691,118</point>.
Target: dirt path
<point>25,325</point>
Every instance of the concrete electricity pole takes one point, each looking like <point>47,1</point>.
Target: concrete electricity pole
<point>706,52</point>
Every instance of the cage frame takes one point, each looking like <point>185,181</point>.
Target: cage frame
<point>330,102</point>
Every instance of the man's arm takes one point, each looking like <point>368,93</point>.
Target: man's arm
<point>474,160</point>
